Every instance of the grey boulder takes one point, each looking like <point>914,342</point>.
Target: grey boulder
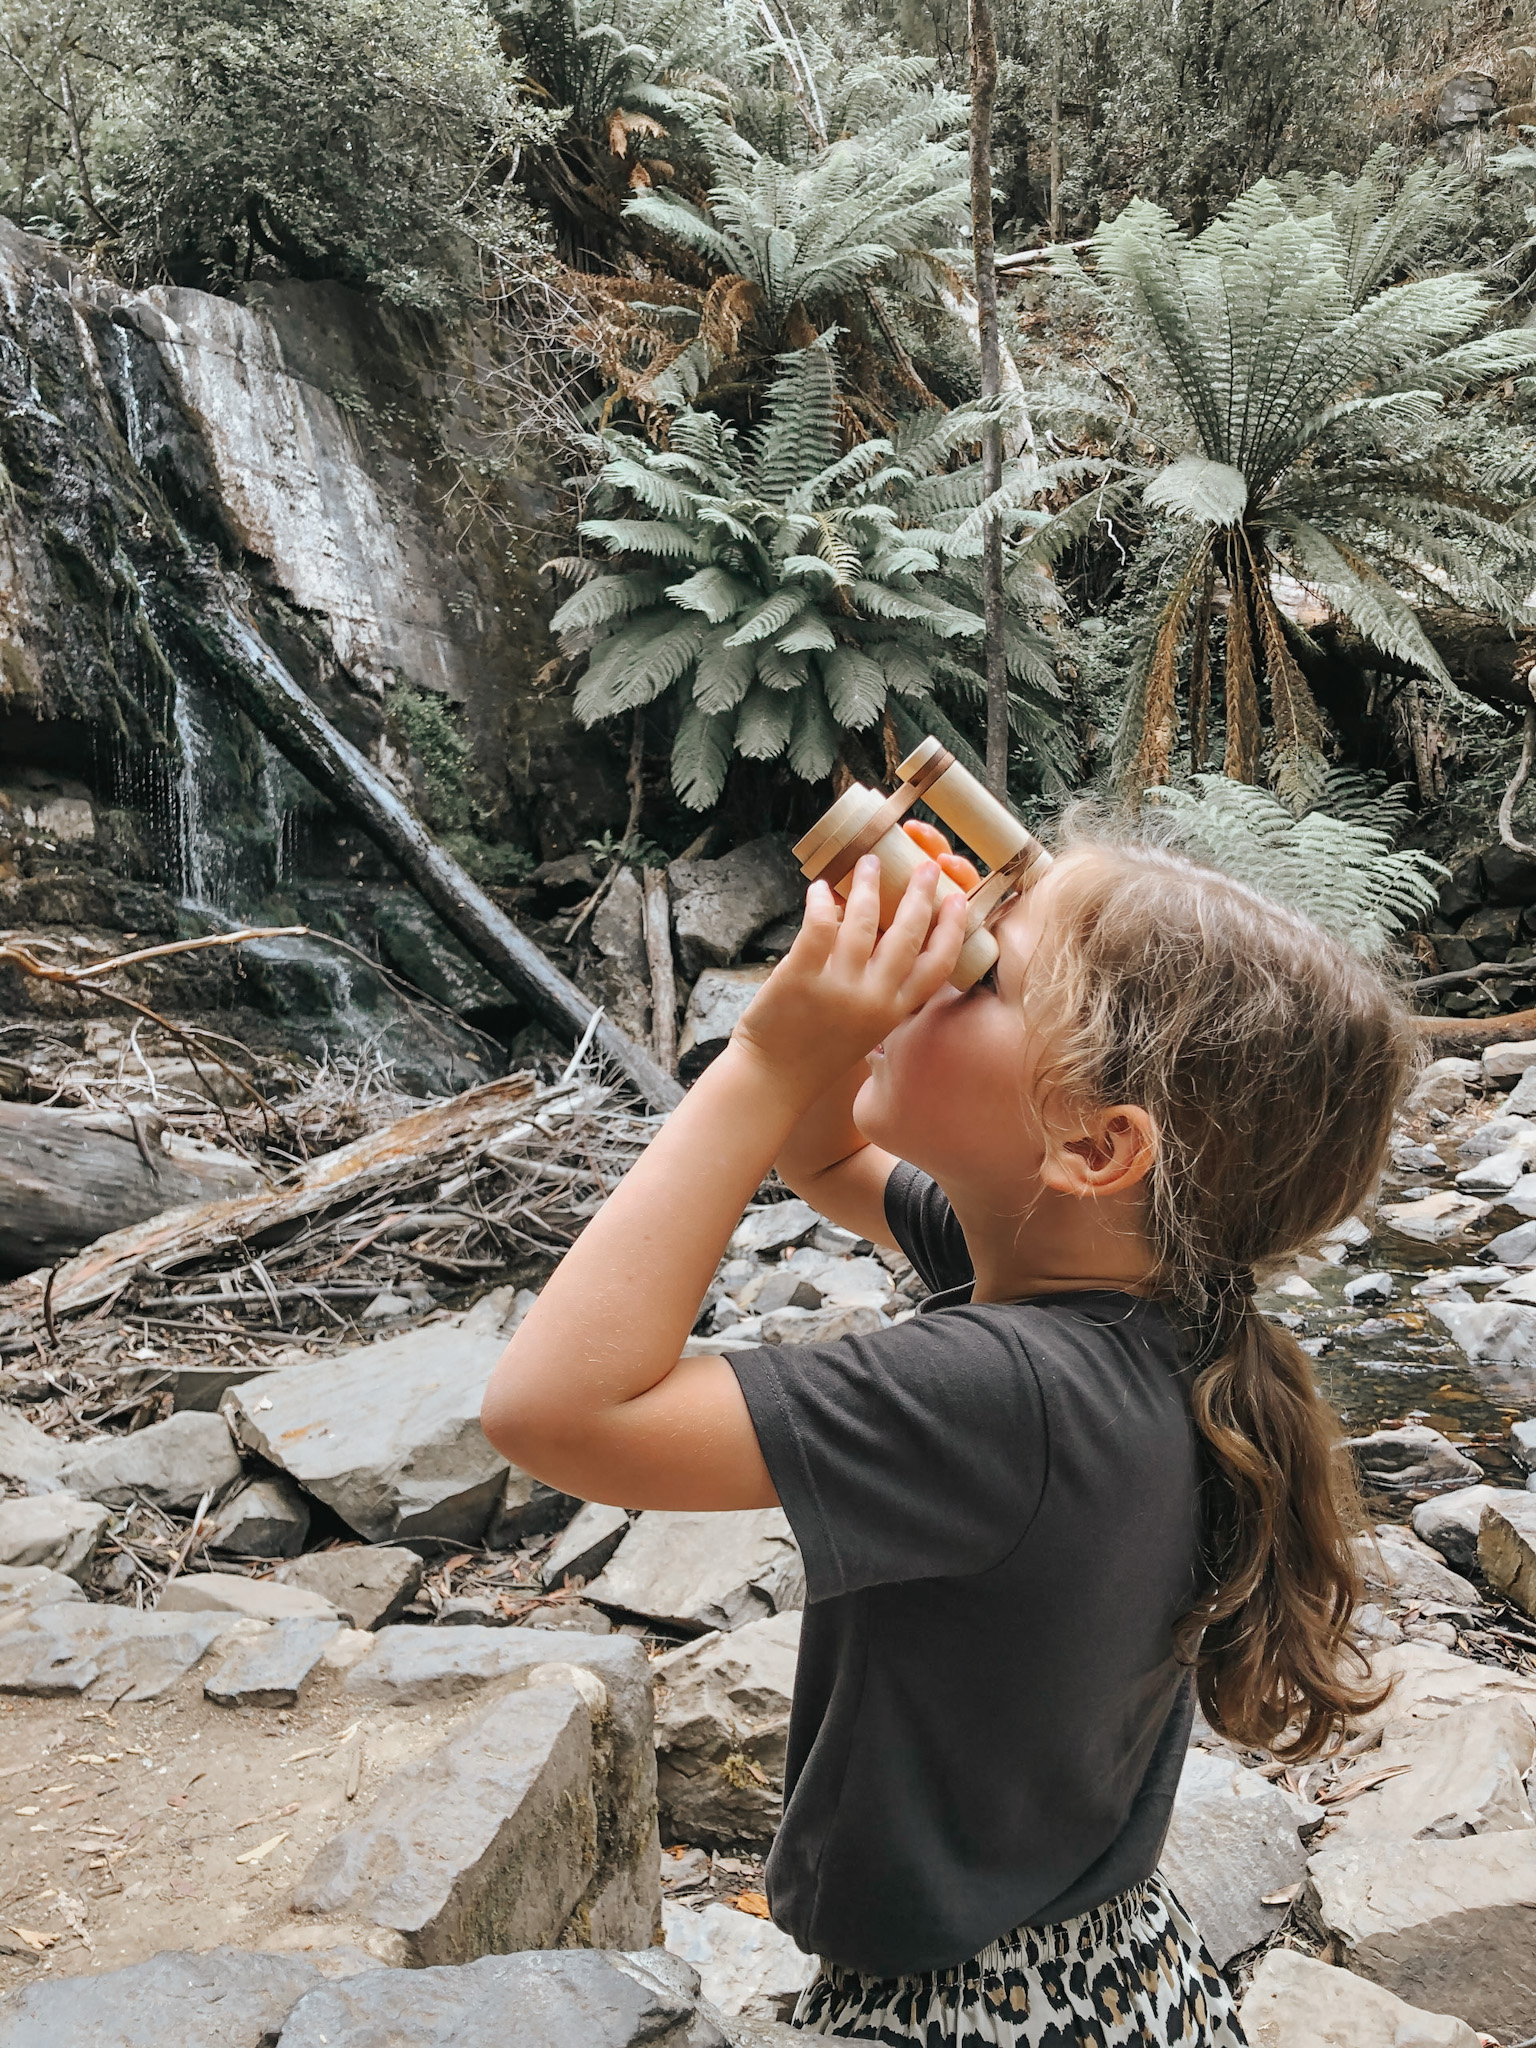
<point>1231,1843</point>
<point>1294,2002</point>
<point>746,1965</point>
<point>571,1998</point>
<point>1399,1567</point>
<point>58,1530</point>
<point>1460,1775</point>
<point>370,1586</point>
<point>1403,1460</point>
<point>1450,1522</point>
<point>1506,1549</point>
<point>222,1999</point>
<point>268,1669</point>
<point>26,1452</point>
<point>1446,1926</point>
<point>719,999</point>
<point>704,1571</point>
<point>586,1544</point>
<point>722,1722</point>
<point>70,1647</point>
<point>719,906</point>
<point>172,1464</point>
<point>387,1435</point>
<point>267,1518</point>
<point>771,1225</point>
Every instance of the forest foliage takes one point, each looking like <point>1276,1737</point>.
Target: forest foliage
<point>1275,400</point>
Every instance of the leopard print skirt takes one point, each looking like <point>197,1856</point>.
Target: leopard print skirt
<point>1131,1973</point>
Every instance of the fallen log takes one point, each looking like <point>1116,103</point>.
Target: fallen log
<point>466,1173</point>
<point>258,683</point>
<point>1446,1036</point>
<point>68,1179</point>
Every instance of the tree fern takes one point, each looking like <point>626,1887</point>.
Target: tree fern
<point>1298,393</point>
<point>808,587</point>
<point>1335,862</point>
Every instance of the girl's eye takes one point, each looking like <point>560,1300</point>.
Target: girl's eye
<point>989,980</point>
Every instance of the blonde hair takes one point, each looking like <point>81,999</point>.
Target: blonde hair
<point>1270,1059</point>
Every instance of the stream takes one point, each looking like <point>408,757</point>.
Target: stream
<point>1380,1367</point>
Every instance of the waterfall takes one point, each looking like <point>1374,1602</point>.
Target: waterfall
<point>282,818</point>
<point>133,418</point>
<point>202,860</point>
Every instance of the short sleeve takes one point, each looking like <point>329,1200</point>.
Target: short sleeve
<point>916,1452</point>
<point>927,1229</point>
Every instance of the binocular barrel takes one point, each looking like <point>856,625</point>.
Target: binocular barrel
<point>863,820</point>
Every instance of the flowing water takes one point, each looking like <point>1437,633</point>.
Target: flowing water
<point>1385,1365</point>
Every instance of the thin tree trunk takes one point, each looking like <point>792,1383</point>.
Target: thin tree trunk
<point>1056,152</point>
<point>657,919</point>
<point>983,97</point>
<point>257,681</point>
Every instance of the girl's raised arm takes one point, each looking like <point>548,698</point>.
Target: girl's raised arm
<point>592,1394</point>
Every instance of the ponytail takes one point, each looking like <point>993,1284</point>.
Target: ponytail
<point>1275,1665</point>
<point>1270,1059</point>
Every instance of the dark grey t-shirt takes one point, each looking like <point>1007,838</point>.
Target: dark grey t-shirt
<point>997,1507</point>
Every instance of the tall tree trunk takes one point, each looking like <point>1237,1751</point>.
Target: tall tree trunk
<point>257,681</point>
<point>983,98</point>
<point>1056,151</point>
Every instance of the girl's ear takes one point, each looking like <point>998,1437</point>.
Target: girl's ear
<point>1110,1156</point>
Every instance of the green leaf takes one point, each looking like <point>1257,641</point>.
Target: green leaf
<point>713,591</point>
<point>769,617</point>
<point>1194,488</point>
<point>701,755</point>
<point>855,686</point>
<point>764,723</point>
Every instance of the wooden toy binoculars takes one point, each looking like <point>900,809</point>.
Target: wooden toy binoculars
<point>867,821</point>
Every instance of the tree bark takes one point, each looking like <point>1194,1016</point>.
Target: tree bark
<point>657,918</point>
<point>66,1180</point>
<point>983,98</point>
<point>257,681</point>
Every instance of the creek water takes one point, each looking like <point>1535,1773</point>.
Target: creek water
<point>1386,1365</point>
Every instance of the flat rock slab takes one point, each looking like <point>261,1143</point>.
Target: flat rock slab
<point>34,1585</point>
<point>387,1435</point>
<point>1431,1682</point>
<point>487,1844</point>
<point>1447,1926</point>
<point>74,1647</point>
<point>58,1530</point>
<point>223,1999</point>
<point>1402,1460</point>
<point>267,1670</point>
<point>201,1388</point>
<point>1294,2002</point>
<point>1398,1566</point>
<point>172,1464</point>
<point>722,1723</point>
<point>745,1965</point>
<point>1506,1549</point>
<point>704,1571</point>
<point>1232,1841</point>
<point>1450,1522</point>
<point>573,1998</point>
<point>26,1452</point>
<point>719,905</point>
<point>771,1226</point>
<point>1499,1334</point>
<point>232,1593</point>
<point>583,1548</point>
<point>1460,1775</point>
<point>370,1586</point>
<point>267,1518</point>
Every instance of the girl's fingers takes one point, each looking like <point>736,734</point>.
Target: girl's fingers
<point>936,962</point>
<point>908,929</point>
<point>818,930</point>
<point>861,912</point>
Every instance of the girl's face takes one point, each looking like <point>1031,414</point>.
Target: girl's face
<point>952,1088</point>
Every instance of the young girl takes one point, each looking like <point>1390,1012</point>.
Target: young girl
<point>1087,1481</point>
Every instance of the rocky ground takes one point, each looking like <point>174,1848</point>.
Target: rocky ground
<point>302,1686</point>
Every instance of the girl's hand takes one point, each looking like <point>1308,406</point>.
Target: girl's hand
<point>844,984</point>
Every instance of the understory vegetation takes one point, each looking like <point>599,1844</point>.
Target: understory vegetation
<point>1266,397</point>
